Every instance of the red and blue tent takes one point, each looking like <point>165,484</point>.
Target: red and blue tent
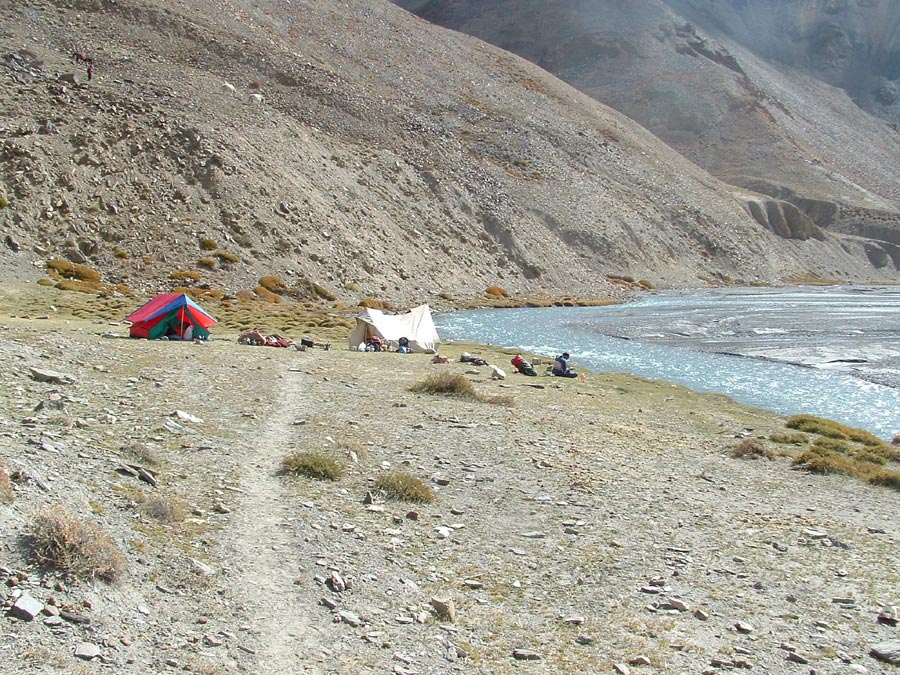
<point>172,315</point>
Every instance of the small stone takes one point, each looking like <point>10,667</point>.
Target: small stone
<point>350,618</point>
<point>675,603</point>
<point>584,640</point>
<point>796,657</point>
<point>622,669</point>
<point>639,661</point>
<point>575,620</point>
<point>26,607</point>
<point>444,608</point>
<point>473,583</point>
<point>526,655</point>
<point>742,627</point>
<point>87,651</point>
<point>337,583</point>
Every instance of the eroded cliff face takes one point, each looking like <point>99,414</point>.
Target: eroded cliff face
<point>793,100</point>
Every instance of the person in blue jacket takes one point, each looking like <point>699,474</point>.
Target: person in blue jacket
<point>561,366</point>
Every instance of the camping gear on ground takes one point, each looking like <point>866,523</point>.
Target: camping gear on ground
<point>416,325</point>
<point>170,315</point>
<point>255,337</point>
<point>522,366</point>
<point>466,357</point>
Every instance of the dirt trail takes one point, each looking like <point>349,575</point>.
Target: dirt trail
<point>260,547</point>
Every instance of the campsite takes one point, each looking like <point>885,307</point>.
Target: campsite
<point>571,530</point>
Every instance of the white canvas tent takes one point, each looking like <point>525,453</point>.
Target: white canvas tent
<point>416,325</point>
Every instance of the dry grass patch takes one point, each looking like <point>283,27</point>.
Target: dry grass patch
<point>403,487</point>
<point>64,269</point>
<point>6,493</point>
<point>180,275</point>
<point>825,427</point>
<point>789,438</point>
<point>207,244</point>
<point>751,448</point>
<point>456,385</point>
<point>162,510</point>
<point>80,549</point>
<point>312,465</point>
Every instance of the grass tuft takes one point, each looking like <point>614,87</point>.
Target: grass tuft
<point>751,448</point>
<point>68,270</point>
<point>208,244</point>
<point>789,438</point>
<point>825,427</point>
<point>446,384</point>
<point>403,487</point>
<point>497,292</point>
<point>312,465</point>
<point>6,493</point>
<point>180,275</point>
<point>80,549</point>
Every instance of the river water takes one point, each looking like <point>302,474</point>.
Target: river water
<point>832,352</point>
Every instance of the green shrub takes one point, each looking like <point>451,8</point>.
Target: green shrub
<point>750,448</point>
<point>312,465</point>
<point>323,293</point>
<point>69,270</point>
<point>4,202</point>
<point>46,282</point>
<point>80,549</point>
<point>403,487</point>
<point>832,445</point>
<point>207,244</point>
<point>796,438</point>
<point>78,286</point>
<point>208,263</point>
<point>120,253</point>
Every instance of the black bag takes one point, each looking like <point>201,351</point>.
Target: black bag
<point>306,342</point>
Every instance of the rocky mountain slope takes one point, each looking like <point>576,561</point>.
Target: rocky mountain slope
<point>360,148</point>
<point>795,100</point>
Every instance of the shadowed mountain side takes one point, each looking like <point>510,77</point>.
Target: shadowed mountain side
<point>357,147</point>
<point>795,100</point>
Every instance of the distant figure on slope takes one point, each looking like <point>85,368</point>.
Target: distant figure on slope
<point>561,366</point>
<point>522,366</point>
<point>90,71</point>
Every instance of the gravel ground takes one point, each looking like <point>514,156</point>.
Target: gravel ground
<point>590,526</point>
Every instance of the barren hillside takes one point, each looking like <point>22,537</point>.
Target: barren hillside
<point>797,100</point>
<point>359,148</point>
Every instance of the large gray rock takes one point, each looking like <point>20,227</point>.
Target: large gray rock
<point>26,607</point>
<point>889,652</point>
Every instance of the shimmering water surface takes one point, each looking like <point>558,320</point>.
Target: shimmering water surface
<point>833,352</point>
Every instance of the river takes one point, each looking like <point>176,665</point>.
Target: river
<point>832,352</point>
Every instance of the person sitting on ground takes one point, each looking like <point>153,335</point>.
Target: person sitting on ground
<point>522,366</point>
<point>561,366</point>
<point>374,344</point>
<point>404,347</point>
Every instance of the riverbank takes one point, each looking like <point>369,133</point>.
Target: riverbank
<point>583,525</point>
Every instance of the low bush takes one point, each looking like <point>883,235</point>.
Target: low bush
<point>120,253</point>
<point>312,465</point>
<point>446,384</point>
<point>646,284</point>
<point>80,549</point>
<point>70,270</point>
<point>78,286</point>
<point>375,303</point>
<point>896,440</point>
<point>208,263</point>
<point>180,275</point>
<point>207,244</point>
<point>274,284</point>
<point>140,452</point>
<point>751,448</point>
<point>795,438</point>
<point>820,460</point>
<point>266,295</point>
<point>885,478</point>
<point>825,427</point>
<point>46,282</point>
<point>161,510</point>
<point>228,257</point>
<point>496,292</point>
<point>403,487</point>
